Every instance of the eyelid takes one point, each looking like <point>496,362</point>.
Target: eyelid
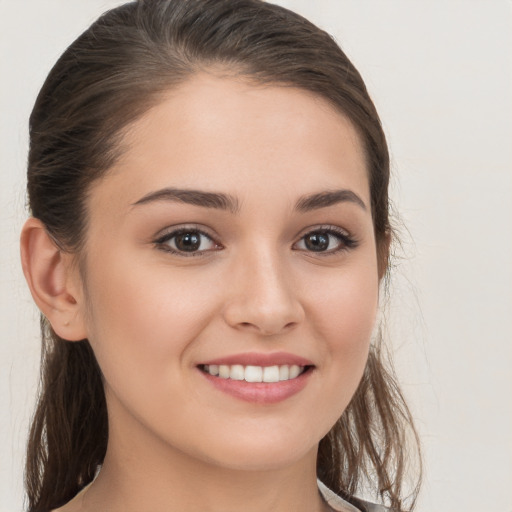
<point>324,227</point>
<point>173,230</point>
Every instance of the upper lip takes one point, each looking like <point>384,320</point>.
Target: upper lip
<point>260,359</point>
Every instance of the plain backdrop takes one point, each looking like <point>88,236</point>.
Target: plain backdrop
<point>440,73</point>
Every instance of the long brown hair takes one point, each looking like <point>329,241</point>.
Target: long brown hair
<point>113,73</point>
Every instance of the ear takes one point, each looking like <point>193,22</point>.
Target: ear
<point>53,281</point>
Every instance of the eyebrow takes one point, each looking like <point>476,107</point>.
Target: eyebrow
<point>195,197</point>
<point>230,203</point>
<point>328,198</point>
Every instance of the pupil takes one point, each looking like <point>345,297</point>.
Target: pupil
<point>317,242</point>
<point>188,242</point>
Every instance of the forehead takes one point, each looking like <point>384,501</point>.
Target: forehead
<point>227,133</point>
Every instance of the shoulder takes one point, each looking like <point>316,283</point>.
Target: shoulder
<point>339,504</point>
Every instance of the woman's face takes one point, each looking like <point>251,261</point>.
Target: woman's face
<point>234,239</point>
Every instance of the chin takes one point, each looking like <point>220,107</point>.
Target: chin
<point>259,462</point>
<point>267,453</point>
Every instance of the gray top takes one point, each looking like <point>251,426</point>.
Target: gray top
<point>338,504</point>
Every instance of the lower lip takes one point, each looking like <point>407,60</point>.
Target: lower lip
<point>260,392</point>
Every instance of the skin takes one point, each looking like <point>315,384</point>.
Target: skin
<point>152,316</point>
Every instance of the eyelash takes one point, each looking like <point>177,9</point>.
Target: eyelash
<point>347,241</point>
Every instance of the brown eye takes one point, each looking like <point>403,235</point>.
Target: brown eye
<point>326,241</point>
<point>188,242</point>
<point>183,241</point>
<point>317,241</point>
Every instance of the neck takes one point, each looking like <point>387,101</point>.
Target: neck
<point>145,473</point>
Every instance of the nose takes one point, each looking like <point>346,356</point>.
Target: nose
<point>263,297</point>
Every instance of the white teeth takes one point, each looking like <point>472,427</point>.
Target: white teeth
<point>294,371</point>
<point>255,373</point>
<point>212,369</point>
<point>271,374</point>
<point>237,372</point>
<point>224,371</point>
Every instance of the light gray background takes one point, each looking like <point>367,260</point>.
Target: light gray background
<point>440,73</point>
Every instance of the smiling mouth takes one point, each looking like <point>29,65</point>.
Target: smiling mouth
<point>249,373</point>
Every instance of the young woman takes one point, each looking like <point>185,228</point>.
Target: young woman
<point>208,187</point>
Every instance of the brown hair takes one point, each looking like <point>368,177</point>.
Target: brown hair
<point>113,73</point>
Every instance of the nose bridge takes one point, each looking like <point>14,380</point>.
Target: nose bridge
<point>264,296</point>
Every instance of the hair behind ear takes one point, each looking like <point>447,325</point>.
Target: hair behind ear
<point>68,438</point>
<point>366,445</point>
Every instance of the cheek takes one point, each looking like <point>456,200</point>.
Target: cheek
<point>144,303</point>
<point>142,320</point>
<point>142,324</point>
<point>351,315</point>
<point>343,313</point>
<point>344,307</point>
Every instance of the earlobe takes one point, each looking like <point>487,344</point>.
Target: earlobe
<point>53,281</point>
